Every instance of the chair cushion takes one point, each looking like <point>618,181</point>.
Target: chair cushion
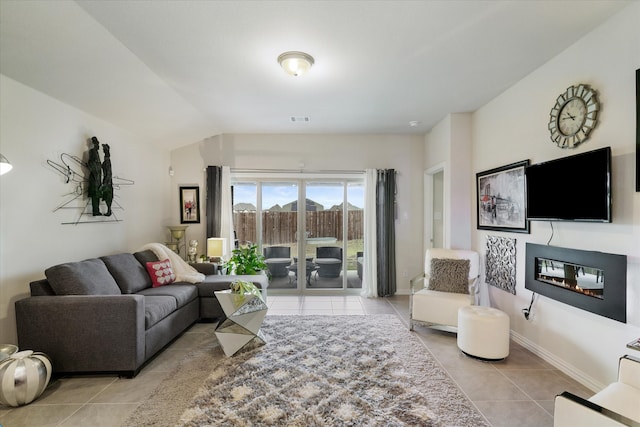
<point>449,275</point>
<point>620,398</point>
<point>129,274</point>
<point>88,277</point>
<point>438,307</point>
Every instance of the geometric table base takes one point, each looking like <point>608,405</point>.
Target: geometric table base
<point>245,314</point>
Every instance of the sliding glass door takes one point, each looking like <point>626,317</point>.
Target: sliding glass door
<point>310,230</point>
<point>278,223</point>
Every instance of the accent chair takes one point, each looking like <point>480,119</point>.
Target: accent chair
<point>448,283</point>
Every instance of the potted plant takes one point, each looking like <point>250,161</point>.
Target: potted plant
<point>242,287</point>
<point>246,260</point>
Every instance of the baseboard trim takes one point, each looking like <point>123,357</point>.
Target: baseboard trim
<point>558,363</point>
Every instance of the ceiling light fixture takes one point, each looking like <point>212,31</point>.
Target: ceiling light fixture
<point>295,63</point>
<point>5,165</point>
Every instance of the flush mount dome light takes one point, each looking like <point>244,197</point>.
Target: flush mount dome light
<point>295,63</point>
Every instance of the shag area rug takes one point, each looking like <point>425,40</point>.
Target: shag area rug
<point>313,371</point>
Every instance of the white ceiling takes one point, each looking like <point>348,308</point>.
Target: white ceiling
<point>175,72</point>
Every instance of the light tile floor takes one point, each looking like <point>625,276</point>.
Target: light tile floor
<point>518,391</point>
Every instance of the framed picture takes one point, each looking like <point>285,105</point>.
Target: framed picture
<point>189,205</point>
<point>501,201</point>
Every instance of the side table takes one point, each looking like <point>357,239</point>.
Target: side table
<point>245,314</point>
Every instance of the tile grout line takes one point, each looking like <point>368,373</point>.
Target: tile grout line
<point>442,367</point>
<point>87,402</point>
<point>522,390</point>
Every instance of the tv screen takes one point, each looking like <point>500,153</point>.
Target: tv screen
<point>573,188</point>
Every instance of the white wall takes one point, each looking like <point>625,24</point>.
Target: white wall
<point>513,127</point>
<point>36,128</point>
<point>449,143</point>
<point>320,153</point>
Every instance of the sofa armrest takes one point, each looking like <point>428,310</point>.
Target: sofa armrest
<point>571,410</point>
<point>84,333</point>
<point>629,371</point>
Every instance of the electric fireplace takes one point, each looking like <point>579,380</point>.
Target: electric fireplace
<point>592,281</point>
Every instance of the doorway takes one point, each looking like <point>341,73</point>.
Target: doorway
<point>435,228</point>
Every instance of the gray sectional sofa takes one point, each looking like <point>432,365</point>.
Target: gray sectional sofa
<point>102,315</point>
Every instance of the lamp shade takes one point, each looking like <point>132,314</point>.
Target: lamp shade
<point>5,165</point>
<point>216,247</point>
<point>295,63</point>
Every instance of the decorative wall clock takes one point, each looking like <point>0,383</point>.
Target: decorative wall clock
<point>574,116</point>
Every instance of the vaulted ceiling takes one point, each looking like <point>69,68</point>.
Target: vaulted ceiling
<point>175,72</point>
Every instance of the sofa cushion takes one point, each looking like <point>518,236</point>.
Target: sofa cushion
<point>157,308</point>
<point>449,275</point>
<point>129,274</point>
<point>88,277</point>
<point>144,257</point>
<point>161,273</point>
<point>182,292</point>
<point>40,288</point>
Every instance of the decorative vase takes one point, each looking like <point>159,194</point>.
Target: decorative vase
<point>23,377</point>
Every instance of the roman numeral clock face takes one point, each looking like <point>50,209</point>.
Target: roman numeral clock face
<point>574,116</point>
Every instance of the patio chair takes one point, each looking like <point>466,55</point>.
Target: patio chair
<point>329,261</point>
<point>277,258</point>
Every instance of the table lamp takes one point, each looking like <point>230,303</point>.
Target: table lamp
<point>216,248</point>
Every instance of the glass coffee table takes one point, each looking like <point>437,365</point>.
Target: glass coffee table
<point>245,314</point>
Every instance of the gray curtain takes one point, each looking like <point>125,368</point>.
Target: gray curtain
<point>214,201</point>
<point>385,229</point>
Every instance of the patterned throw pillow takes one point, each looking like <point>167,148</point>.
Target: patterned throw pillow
<point>449,275</point>
<point>161,273</point>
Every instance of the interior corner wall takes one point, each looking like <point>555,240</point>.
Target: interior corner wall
<point>449,143</point>
<point>513,127</point>
<point>312,152</point>
<point>36,128</point>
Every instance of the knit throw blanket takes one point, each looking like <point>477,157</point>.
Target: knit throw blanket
<point>183,271</point>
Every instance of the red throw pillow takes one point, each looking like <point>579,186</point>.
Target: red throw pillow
<point>161,273</point>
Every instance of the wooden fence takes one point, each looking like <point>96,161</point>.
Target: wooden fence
<point>281,227</point>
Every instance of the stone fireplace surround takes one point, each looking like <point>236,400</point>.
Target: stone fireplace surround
<point>612,270</point>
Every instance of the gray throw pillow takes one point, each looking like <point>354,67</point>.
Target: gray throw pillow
<point>129,274</point>
<point>449,275</point>
<point>88,277</point>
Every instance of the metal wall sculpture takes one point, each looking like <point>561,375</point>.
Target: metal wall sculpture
<point>93,194</point>
<point>501,263</point>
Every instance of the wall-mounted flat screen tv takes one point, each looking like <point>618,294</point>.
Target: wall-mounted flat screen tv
<point>573,188</point>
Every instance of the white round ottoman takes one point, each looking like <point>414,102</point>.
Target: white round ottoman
<point>483,332</point>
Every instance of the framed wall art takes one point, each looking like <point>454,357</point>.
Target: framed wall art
<point>500,264</point>
<point>501,203</point>
<point>189,205</point>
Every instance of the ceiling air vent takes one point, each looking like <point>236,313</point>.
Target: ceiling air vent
<point>299,119</point>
